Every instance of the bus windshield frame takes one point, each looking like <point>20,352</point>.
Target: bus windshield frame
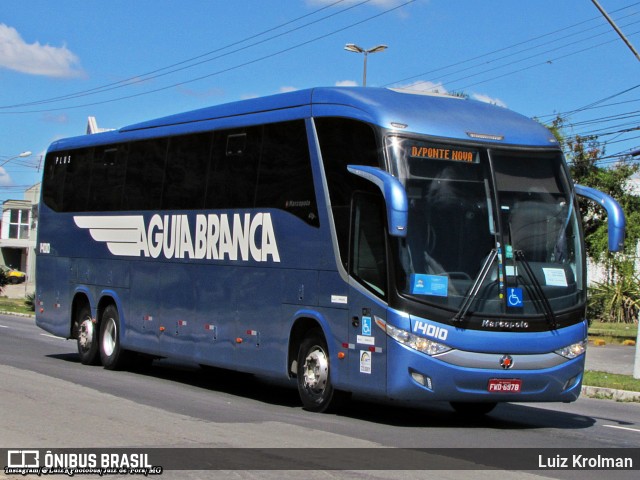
<point>492,232</point>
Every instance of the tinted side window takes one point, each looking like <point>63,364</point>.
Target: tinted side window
<point>233,178</point>
<point>368,258</point>
<point>107,178</point>
<point>145,175</point>
<point>345,142</point>
<point>76,182</point>
<point>285,180</point>
<point>66,180</point>
<point>186,171</point>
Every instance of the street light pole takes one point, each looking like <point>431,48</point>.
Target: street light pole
<point>21,155</point>
<point>352,47</point>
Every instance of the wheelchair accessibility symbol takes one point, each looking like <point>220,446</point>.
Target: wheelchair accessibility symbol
<point>514,297</point>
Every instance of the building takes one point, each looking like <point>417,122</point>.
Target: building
<point>19,231</point>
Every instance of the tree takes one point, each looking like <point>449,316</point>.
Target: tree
<point>618,297</point>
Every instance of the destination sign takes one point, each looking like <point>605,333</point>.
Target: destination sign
<point>440,152</point>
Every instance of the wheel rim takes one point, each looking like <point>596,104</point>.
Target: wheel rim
<point>316,371</point>
<point>109,337</point>
<point>86,333</point>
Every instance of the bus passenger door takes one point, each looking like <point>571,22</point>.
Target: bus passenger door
<point>368,278</point>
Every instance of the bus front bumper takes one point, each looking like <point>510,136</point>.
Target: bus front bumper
<point>470,377</point>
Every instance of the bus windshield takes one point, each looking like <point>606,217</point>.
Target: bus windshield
<point>495,230</point>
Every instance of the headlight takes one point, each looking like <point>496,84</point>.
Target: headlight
<point>573,351</point>
<point>421,344</point>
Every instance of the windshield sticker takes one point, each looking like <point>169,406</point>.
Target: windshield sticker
<point>514,297</point>
<point>509,251</point>
<point>555,277</point>
<point>423,284</point>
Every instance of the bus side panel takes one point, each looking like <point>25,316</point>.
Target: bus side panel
<point>214,327</point>
<point>53,298</point>
<point>183,310</point>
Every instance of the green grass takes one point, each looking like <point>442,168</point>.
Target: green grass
<point>611,380</point>
<point>14,305</point>
<point>614,332</point>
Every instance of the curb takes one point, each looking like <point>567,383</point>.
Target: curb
<point>16,314</point>
<point>610,394</point>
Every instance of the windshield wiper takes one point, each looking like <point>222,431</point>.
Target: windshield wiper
<point>539,295</point>
<point>473,292</point>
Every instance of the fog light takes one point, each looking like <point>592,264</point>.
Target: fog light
<point>571,383</point>
<point>423,380</point>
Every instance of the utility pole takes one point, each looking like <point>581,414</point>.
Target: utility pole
<point>615,27</point>
<point>636,364</point>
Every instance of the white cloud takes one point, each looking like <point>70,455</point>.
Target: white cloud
<point>425,86</point>
<point>432,87</point>
<point>61,118</point>
<point>5,179</point>
<point>487,99</point>
<point>287,89</point>
<point>346,83</point>
<point>34,58</point>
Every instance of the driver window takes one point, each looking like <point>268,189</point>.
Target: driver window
<point>368,253</point>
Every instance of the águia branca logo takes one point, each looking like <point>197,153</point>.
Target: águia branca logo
<point>212,237</point>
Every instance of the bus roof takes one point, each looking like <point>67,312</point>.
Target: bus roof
<point>402,111</point>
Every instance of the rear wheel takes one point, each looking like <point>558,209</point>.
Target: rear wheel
<point>473,408</point>
<point>113,356</point>
<point>87,337</point>
<point>314,374</point>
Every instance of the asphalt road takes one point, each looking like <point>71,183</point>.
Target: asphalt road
<point>49,400</point>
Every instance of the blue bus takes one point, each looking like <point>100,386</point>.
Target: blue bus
<point>364,241</point>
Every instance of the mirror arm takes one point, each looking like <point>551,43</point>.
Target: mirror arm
<point>395,196</point>
<point>615,216</point>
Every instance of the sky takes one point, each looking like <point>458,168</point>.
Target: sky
<point>124,61</point>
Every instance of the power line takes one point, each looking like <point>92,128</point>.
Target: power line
<point>548,61</point>
<point>145,77</point>
<point>485,55</point>
<point>235,67</point>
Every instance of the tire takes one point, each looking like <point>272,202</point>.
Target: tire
<point>113,356</point>
<point>314,374</point>
<point>87,337</point>
<point>473,409</point>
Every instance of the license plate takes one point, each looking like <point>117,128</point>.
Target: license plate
<point>505,385</point>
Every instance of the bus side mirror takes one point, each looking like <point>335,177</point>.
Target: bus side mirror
<point>616,220</point>
<point>395,196</point>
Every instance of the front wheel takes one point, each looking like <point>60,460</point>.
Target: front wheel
<point>314,374</point>
<point>113,356</point>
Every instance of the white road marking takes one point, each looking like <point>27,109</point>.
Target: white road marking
<point>623,428</point>
<point>52,336</point>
